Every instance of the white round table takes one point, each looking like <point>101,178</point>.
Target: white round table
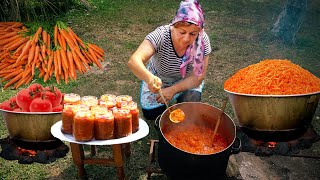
<point>118,146</point>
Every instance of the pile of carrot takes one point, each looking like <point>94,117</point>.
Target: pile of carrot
<point>273,77</point>
<point>59,56</point>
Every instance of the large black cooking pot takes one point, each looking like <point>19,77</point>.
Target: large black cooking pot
<point>179,164</point>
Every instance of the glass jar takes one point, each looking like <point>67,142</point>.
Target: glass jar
<point>134,111</point>
<point>108,104</point>
<point>104,126</point>
<point>107,97</point>
<point>67,119</point>
<point>89,101</point>
<point>71,99</point>
<point>99,109</point>
<point>83,126</point>
<point>123,98</point>
<point>122,122</point>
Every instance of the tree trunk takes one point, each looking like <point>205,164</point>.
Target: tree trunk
<point>290,20</point>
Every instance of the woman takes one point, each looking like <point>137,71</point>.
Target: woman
<point>178,56</point>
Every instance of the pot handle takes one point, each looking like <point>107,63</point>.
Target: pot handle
<point>156,122</point>
<point>236,146</point>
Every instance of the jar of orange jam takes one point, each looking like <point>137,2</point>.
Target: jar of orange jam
<point>99,109</point>
<point>108,104</point>
<point>107,97</point>
<point>71,98</point>
<point>67,118</point>
<point>123,98</point>
<point>134,111</point>
<point>122,122</point>
<point>104,125</point>
<point>89,101</point>
<point>68,114</point>
<point>83,126</point>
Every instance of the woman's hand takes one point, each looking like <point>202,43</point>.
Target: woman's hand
<point>154,84</point>
<point>168,94</point>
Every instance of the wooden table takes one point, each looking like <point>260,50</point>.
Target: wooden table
<point>120,148</point>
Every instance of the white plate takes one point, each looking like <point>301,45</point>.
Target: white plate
<point>142,132</point>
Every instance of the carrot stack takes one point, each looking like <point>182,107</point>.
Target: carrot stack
<point>22,55</point>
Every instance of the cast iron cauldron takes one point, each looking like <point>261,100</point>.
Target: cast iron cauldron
<point>30,126</point>
<point>179,164</point>
<point>274,117</point>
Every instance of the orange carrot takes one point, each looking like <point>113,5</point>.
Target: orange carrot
<point>11,75</point>
<point>36,35</point>
<point>21,82</point>
<point>79,40</point>
<point>77,62</point>
<point>273,77</point>
<point>8,40</point>
<point>36,58</point>
<point>31,53</point>
<point>27,70</point>
<point>4,47</point>
<point>42,72</point>
<point>8,35</point>
<point>71,65</point>
<point>94,58</point>
<point>49,67</point>
<point>96,48</point>
<point>12,81</point>
<point>18,43</point>
<point>28,80</point>
<point>55,35</point>
<point>64,60</point>
<point>68,39</point>
<point>71,35</point>
<point>48,45</point>
<point>25,50</point>
<point>59,61</point>
<point>16,24</point>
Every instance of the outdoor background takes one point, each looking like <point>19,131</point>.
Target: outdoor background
<point>240,35</point>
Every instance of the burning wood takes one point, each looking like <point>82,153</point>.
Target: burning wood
<point>28,154</point>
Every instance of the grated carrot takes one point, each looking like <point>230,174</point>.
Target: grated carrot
<point>273,77</point>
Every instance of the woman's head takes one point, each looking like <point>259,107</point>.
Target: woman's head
<point>189,12</point>
<point>188,27</point>
<point>185,33</point>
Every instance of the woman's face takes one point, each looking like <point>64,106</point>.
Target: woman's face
<point>185,35</point>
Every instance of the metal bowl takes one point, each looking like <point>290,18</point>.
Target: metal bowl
<point>30,126</point>
<point>274,113</point>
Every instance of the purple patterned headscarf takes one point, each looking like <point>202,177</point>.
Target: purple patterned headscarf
<point>190,11</point>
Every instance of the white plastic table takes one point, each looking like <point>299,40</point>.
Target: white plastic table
<point>117,161</point>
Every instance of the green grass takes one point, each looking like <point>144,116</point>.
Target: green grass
<point>239,32</point>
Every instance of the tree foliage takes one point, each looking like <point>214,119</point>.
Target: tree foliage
<point>33,10</point>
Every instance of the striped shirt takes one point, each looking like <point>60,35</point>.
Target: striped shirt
<point>166,63</point>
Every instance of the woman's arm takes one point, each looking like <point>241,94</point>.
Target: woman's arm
<point>137,65</point>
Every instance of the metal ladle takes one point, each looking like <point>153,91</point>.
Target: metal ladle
<point>171,113</point>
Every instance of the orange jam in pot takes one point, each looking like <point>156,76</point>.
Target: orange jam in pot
<point>89,101</point>
<point>67,119</point>
<point>122,122</point>
<point>104,126</point>
<point>123,98</point>
<point>71,98</point>
<point>134,111</point>
<point>83,126</point>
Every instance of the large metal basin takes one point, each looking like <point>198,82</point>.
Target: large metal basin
<point>274,113</point>
<point>30,126</point>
